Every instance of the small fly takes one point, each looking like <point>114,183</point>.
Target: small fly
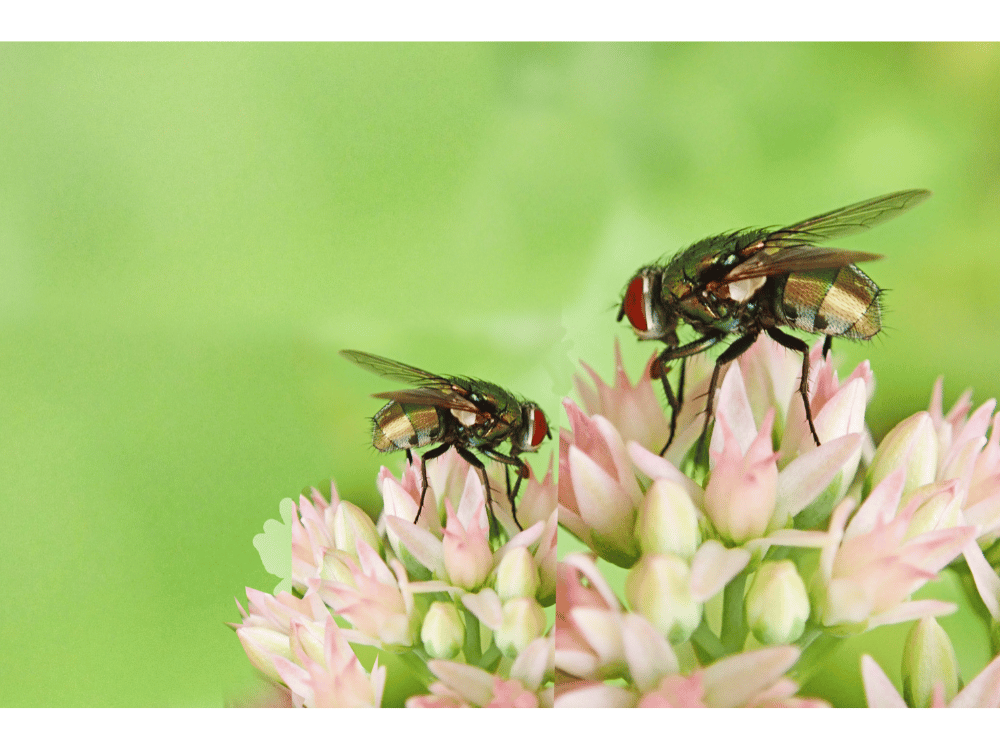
<point>464,413</point>
<point>755,280</point>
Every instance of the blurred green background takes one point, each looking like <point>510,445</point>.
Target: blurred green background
<point>189,233</point>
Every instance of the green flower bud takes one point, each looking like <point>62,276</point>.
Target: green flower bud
<point>668,521</point>
<point>517,575</point>
<point>911,444</point>
<point>659,589</point>
<point>777,604</point>
<point>443,631</point>
<point>928,660</point>
<point>523,622</point>
<point>350,523</point>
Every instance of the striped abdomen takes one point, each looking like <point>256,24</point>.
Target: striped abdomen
<point>399,426</point>
<point>838,302</point>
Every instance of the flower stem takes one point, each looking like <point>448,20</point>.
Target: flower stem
<point>707,644</point>
<point>816,646</point>
<point>734,632</point>
<point>473,648</point>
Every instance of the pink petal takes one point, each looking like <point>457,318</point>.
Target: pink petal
<point>596,695</point>
<point>802,480</point>
<point>733,405</point>
<point>733,681</point>
<point>647,653</point>
<point>986,579</point>
<point>712,567</point>
<point>983,691</point>
<point>879,690</point>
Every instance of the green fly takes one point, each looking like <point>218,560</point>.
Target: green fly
<point>460,412</point>
<point>754,280</point>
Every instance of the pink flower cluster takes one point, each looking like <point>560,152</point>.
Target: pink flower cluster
<point>414,588</point>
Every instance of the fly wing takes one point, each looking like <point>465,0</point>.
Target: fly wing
<point>429,397</point>
<point>773,261</point>
<point>849,220</point>
<point>393,370</point>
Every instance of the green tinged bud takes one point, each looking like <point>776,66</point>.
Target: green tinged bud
<point>350,523</point>
<point>911,444</point>
<point>928,660</point>
<point>659,588</point>
<point>668,521</point>
<point>443,632</point>
<point>523,622</point>
<point>517,574</point>
<point>777,604</point>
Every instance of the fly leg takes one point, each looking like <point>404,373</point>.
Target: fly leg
<point>659,369</point>
<point>471,458</point>
<point>827,344</point>
<point>733,351</point>
<point>431,454</point>
<point>523,472</point>
<point>790,342</point>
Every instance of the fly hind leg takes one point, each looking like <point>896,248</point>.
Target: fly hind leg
<point>429,455</point>
<point>733,351</point>
<point>481,467</point>
<point>790,342</point>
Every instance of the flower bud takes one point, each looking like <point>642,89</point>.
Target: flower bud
<point>741,494</point>
<point>523,622</point>
<point>911,444</point>
<point>659,589</point>
<point>443,632</point>
<point>351,523</point>
<point>468,558</point>
<point>928,661</point>
<point>262,645</point>
<point>777,605</point>
<point>668,521</point>
<point>517,574</point>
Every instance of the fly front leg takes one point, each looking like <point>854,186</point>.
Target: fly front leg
<point>523,472</point>
<point>790,342</point>
<point>431,454</point>
<point>659,369</point>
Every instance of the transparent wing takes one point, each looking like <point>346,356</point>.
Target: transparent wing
<point>772,261</point>
<point>429,397</point>
<point>390,368</point>
<point>849,220</point>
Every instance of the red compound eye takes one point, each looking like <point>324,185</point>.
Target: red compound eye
<point>635,304</point>
<point>539,428</point>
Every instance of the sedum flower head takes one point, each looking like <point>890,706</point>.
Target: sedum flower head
<point>424,591</point>
<point>765,538</point>
<point>597,638</point>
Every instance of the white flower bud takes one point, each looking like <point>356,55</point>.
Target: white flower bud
<point>668,521</point>
<point>911,444</point>
<point>659,589</point>
<point>777,605</point>
<point>443,631</point>
<point>517,574</point>
<point>351,523</point>
<point>523,622</point>
<point>928,661</point>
